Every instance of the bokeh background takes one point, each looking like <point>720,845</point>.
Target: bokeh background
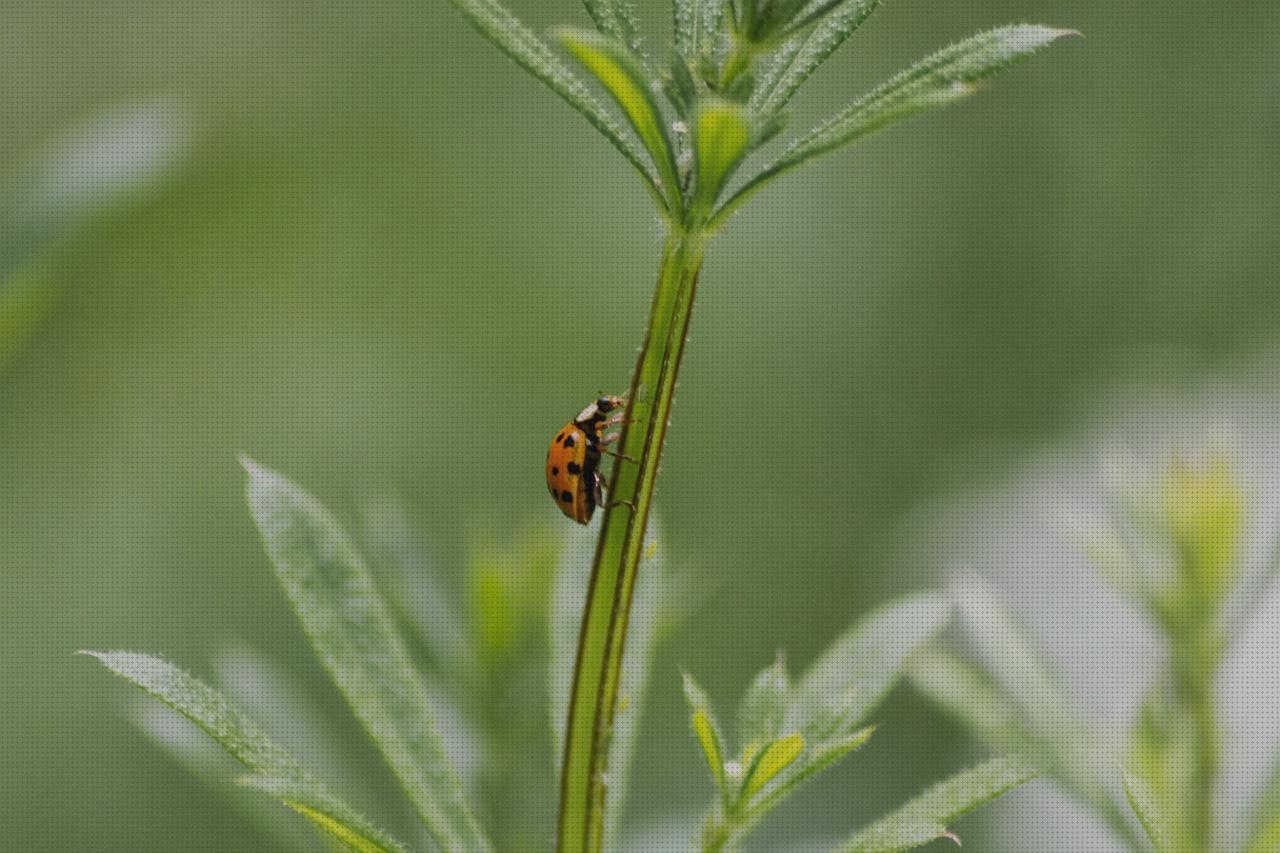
<point>375,255</point>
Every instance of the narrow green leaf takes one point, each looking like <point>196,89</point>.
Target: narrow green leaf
<point>320,809</point>
<point>721,136</point>
<point>708,732</point>
<point>627,84</point>
<point>696,27</point>
<point>947,76</point>
<point>616,18</point>
<point>812,761</point>
<point>800,56</point>
<point>926,818</point>
<point>764,706</point>
<point>775,758</point>
<point>245,742</point>
<point>1047,728</point>
<point>354,636</point>
<point>517,41</point>
<point>854,675</point>
<point>1163,776</point>
<point>968,695</point>
<point>1143,803</point>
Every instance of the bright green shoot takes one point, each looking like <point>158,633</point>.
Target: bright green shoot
<point>1174,549</point>
<point>689,124</point>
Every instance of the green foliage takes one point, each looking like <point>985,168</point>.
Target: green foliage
<point>753,54</point>
<point>1186,521</point>
<point>786,735</point>
<point>926,818</point>
<point>272,770</point>
<point>354,636</point>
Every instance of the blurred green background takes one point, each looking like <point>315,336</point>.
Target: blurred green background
<point>389,260</point>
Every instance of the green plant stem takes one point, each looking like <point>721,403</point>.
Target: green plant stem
<point>1197,696</point>
<point>613,574</point>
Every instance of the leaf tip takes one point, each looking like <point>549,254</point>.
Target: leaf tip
<point>251,467</point>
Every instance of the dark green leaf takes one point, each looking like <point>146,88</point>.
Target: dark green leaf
<point>800,57</point>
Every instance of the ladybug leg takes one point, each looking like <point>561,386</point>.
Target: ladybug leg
<point>610,439</point>
<point>597,490</point>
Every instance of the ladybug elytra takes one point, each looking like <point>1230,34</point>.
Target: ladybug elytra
<point>573,460</point>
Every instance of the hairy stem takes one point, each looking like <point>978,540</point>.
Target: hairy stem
<point>613,574</point>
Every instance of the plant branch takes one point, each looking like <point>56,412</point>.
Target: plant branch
<point>613,574</point>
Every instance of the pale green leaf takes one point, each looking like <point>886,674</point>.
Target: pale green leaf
<point>947,76</point>
<point>616,18</point>
<point>696,28</point>
<point>801,55</point>
<point>245,742</point>
<point>721,135</point>
<point>927,817</point>
<point>320,809</point>
<point>968,695</point>
<point>626,82</point>
<point>355,638</point>
<point>855,674</point>
<point>1143,802</point>
<point>707,729</point>
<point>775,758</point>
<point>1047,728</point>
<point>764,706</point>
<point>1163,775</point>
<point>496,23</point>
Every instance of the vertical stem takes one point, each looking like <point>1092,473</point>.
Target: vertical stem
<point>604,624</point>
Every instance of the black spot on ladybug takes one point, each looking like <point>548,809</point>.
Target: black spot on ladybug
<point>560,437</point>
<point>567,497</point>
<point>568,441</point>
<point>555,470</point>
<point>575,468</point>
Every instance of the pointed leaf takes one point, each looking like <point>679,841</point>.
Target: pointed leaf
<point>355,638</point>
<point>517,41</point>
<point>775,758</point>
<point>616,18</point>
<point>703,721</point>
<point>1143,803</point>
<point>968,695</point>
<point>245,742</point>
<point>721,137</point>
<point>696,28</point>
<point>810,763</point>
<point>801,56</point>
<point>321,810</point>
<point>765,705</point>
<point>947,76</point>
<point>926,818</point>
<point>854,675</point>
<point>626,83</point>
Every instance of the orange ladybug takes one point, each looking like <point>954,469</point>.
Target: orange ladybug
<point>573,461</point>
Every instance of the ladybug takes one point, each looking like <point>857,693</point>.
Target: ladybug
<point>573,460</point>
